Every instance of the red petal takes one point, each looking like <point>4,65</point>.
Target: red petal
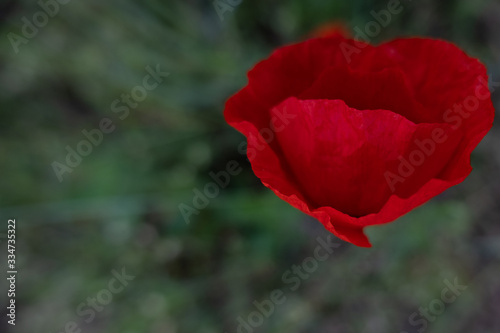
<point>337,158</point>
<point>443,77</point>
<point>287,72</point>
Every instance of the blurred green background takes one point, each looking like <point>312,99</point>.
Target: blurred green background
<point>119,208</point>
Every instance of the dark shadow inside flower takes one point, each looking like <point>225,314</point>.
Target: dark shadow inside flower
<point>385,90</point>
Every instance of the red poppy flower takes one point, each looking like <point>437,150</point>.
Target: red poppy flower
<point>357,135</point>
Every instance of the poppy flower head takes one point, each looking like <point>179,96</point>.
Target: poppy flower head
<point>356,139</point>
